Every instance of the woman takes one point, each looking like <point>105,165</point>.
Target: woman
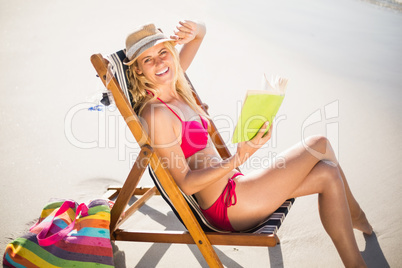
<point>231,200</point>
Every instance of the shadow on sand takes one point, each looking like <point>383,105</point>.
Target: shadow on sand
<point>372,254</point>
<point>156,252</point>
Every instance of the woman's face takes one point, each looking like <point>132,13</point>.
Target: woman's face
<point>157,65</point>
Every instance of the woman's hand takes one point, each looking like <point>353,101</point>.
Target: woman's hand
<point>248,148</point>
<point>187,31</point>
<point>189,34</point>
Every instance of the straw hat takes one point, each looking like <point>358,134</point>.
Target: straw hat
<point>140,40</point>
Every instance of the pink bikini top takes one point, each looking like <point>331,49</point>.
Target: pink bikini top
<point>194,135</point>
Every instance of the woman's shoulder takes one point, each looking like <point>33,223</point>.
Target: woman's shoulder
<point>158,120</point>
<point>156,112</point>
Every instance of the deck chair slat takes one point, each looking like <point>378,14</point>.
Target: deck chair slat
<point>122,103</point>
<point>179,237</point>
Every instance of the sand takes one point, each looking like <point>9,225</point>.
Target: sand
<point>343,60</point>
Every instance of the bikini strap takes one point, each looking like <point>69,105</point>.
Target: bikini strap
<point>169,108</point>
<point>202,122</point>
<point>150,92</point>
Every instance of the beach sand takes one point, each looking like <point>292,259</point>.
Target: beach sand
<point>343,59</point>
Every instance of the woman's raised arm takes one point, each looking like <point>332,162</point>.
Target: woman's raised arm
<point>189,34</point>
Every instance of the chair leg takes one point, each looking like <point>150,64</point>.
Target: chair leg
<point>129,186</point>
<point>137,205</point>
<point>191,223</point>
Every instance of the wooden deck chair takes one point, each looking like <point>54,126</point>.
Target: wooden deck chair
<point>200,232</point>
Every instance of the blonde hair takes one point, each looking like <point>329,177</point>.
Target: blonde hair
<point>139,85</point>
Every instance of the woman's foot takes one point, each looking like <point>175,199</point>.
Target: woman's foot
<point>361,223</point>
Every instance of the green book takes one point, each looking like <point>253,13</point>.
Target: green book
<point>258,107</point>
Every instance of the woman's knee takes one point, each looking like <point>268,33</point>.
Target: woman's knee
<point>330,176</point>
<point>317,142</point>
<point>320,147</point>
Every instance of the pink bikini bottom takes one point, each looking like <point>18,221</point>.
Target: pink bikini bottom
<point>217,214</point>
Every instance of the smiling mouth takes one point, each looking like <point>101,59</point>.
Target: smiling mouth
<point>163,72</point>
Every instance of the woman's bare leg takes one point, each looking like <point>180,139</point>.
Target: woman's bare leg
<point>260,194</point>
<point>359,219</point>
<point>334,210</point>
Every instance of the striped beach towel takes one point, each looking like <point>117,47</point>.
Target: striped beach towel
<point>67,234</point>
